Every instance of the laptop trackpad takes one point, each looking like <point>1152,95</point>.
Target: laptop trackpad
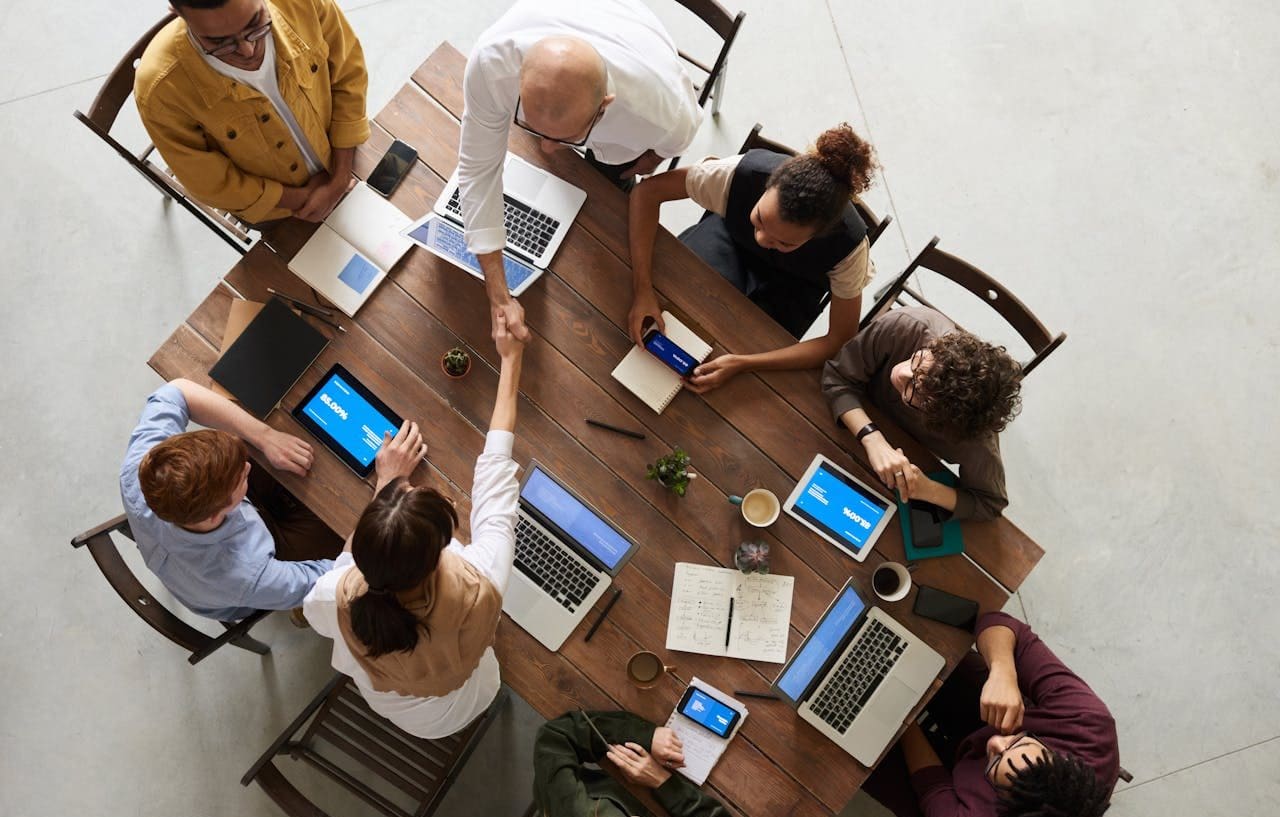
<point>895,700</point>
<point>523,181</point>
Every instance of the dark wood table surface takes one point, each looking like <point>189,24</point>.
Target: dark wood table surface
<point>759,430</point>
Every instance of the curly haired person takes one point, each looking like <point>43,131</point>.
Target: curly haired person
<point>782,229</point>
<point>946,388</point>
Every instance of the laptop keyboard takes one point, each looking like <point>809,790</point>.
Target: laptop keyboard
<point>853,682</point>
<point>449,239</point>
<point>549,565</point>
<point>527,229</point>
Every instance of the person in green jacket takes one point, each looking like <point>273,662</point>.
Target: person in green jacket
<point>564,786</point>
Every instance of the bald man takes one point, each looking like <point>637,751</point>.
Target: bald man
<point>598,74</point>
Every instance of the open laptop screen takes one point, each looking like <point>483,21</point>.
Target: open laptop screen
<point>825,639</point>
<point>574,518</point>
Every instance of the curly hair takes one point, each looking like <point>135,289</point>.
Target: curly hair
<point>814,187</point>
<point>972,388</point>
<point>1055,786</point>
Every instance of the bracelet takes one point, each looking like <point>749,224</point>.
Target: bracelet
<point>869,428</point>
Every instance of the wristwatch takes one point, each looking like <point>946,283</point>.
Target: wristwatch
<point>869,428</point>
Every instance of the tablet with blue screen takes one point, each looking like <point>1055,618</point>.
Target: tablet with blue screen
<point>347,418</point>
<point>839,507</point>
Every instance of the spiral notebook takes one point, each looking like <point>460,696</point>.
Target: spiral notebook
<point>652,380</point>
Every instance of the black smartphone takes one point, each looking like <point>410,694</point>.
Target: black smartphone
<point>948,608</point>
<point>664,349</point>
<point>392,168</point>
<point>710,713</point>
<point>926,524</point>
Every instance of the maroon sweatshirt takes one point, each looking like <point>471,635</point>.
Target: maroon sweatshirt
<point>1061,710</point>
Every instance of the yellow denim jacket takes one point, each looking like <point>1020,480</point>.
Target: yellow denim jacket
<point>223,140</point>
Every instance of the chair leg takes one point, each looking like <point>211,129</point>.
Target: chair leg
<point>1125,775</point>
<point>246,642</point>
<point>717,90</point>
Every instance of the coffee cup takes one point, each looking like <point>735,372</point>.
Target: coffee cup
<point>645,668</point>
<point>760,507</point>
<point>891,581</point>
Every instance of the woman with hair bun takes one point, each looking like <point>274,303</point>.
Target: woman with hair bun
<point>413,612</point>
<point>782,230</point>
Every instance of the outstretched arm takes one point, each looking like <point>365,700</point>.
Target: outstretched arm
<point>284,451</point>
<point>642,229</point>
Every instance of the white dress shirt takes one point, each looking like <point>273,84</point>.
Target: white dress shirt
<point>495,495</point>
<point>656,107</point>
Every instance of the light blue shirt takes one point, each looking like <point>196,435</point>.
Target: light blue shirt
<point>226,573</point>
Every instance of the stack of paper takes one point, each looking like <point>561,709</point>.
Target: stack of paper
<point>701,748</point>
<point>721,611</point>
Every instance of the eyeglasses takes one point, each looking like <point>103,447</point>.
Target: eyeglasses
<point>250,36</point>
<point>909,393</point>
<point>995,761</point>
<point>519,122</point>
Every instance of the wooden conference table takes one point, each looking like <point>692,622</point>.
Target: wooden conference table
<point>758,430</point>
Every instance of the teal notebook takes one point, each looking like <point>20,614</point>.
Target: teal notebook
<point>952,542</point>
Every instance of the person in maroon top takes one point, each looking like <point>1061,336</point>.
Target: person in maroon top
<point>1026,736</point>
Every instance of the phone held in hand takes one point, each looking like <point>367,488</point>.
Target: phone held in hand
<point>664,349</point>
<point>710,713</point>
<point>945,607</point>
<point>392,168</point>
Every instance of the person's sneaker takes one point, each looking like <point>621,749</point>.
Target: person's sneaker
<point>298,619</point>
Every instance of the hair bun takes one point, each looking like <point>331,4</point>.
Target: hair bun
<point>847,157</point>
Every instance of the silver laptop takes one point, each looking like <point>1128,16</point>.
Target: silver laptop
<point>857,676</point>
<point>567,554</point>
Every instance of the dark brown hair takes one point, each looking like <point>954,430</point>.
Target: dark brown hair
<point>814,187</point>
<point>972,388</point>
<point>396,545</point>
<point>190,476</point>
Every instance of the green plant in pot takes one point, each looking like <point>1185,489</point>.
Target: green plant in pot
<point>456,362</point>
<point>671,471</point>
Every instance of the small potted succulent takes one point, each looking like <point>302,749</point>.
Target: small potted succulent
<point>752,557</point>
<point>672,472</point>
<point>456,362</point>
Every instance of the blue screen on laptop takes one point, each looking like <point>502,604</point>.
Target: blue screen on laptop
<point>574,518</point>
<point>348,419</point>
<point>841,507</point>
<point>821,643</point>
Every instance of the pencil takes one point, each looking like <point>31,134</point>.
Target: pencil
<point>626,433</point>
<point>303,305</point>
<point>742,693</point>
<point>617,591</point>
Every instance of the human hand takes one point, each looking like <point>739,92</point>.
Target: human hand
<point>508,345</point>
<point>892,466</point>
<point>513,313</point>
<point>399,455</point>
<point>646,164</point>
<point>714,373</point>
<point>644,308</point>
<point>1000,703</point>
<point>667,748</point>
<point>286,452</point>
<point>637,765</point>
<point>324,198</point>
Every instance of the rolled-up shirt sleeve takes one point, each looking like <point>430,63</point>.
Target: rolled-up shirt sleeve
<point>482,150</point>
<point>495,495</point>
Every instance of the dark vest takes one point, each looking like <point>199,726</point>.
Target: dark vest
<point>812,260</point>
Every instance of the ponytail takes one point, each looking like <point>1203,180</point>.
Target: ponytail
<point>814,188</point>
<point>396,545</point>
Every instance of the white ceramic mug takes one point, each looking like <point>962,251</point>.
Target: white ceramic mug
<point>760,507</point>
<point>891,573</point>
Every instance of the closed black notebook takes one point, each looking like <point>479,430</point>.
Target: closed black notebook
<point>268,358</point>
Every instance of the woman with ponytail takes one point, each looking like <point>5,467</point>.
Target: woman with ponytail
<point>782,230</point>
<point>411,610</point>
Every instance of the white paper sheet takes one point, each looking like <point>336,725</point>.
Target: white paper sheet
<point>702,749</point>
<point>700,619</point>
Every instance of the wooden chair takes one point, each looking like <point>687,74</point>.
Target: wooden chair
<point>422,770</point>
<point>981,285</point>
<point>875,225</point>
<point>102,116</point>
<point>104,551</point>
<point>725,25</point>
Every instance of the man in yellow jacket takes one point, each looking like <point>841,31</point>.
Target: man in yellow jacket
<point>257,106</point>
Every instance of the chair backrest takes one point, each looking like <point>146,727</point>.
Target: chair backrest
<point>875,225</point>
<point>102,116</point>
<point>1007,305</point>
<point>725,25</point>
<point>420,769</point>
<point>103,548</point>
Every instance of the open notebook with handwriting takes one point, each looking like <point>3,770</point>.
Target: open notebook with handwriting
<point>722,611</point>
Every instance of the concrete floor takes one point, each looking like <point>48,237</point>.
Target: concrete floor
<point>1114,165</point>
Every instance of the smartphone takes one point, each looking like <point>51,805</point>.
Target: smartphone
<point>392,168</point>
<point>926,524</point>
<point>662,347</point>
<point>711,714</point>
<point>948,608</point>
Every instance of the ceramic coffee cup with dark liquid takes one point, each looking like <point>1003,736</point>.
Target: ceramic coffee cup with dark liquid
<point>891,581</point>
<point>645,668</point>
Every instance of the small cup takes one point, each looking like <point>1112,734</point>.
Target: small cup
<point>891,582</point>
<point>645,668</point>
<point>760,507</point>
